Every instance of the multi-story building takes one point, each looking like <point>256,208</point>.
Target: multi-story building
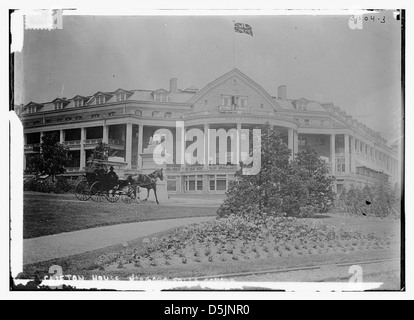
<point>127,119</point>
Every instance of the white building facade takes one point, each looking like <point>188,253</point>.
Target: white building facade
<point>127,119</point>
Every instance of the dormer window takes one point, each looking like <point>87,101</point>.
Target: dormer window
<point>58,105</point>
<point>79,103</point>
<point>32,109</point>
<point>120,97</point>
<point>160,97</point>
<point>100,99</point>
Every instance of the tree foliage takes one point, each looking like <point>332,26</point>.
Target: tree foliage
<point>52,159</point>
<point>378,200</point>
<point>101,152</point>
<point>282,186</point>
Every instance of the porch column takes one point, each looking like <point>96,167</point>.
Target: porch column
<point>82,149</point>
<point>62,136</point>
<point>206,146</point>
<point>295,143</point>
<point>352,154</point>
<point>105,134</point>
<point>140,143</point>
<point>128,145</point>
<point>238,145</point>
<point>290,142</point>
<point>346,147</point>
<point>333,153</point>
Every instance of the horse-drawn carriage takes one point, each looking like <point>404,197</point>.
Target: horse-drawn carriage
<point>100,184</point>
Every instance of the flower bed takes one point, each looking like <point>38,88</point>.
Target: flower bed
<point>241,239</point>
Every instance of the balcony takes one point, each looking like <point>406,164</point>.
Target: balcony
<point>31,147</point>
<point>89,142</point>
<point>72,169</point>
<point>199,168</point>
<point>73,143</point>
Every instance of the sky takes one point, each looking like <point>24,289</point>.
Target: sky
<point>318,57</point>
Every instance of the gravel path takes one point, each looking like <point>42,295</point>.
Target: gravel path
<point>71,243</point>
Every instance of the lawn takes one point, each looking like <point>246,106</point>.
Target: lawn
<point>47,214</point>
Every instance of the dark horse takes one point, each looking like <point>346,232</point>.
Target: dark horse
<point>147,181</point>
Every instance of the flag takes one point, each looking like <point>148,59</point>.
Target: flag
<point>243,28</point>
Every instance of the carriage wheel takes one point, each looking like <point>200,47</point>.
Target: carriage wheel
<point>82,190</point>
<point>112,196</point>
<point>96,191</point>
<point>128,195</point>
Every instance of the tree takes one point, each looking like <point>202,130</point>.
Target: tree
<point>101,152</point>
<point>281,187</point>
<point>315,176</point>
<point>52,159</point>
<point>268,191</point>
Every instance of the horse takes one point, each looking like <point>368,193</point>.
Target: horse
<point>147,181</point>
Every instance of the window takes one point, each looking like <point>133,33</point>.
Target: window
<point>194,183</point>
<point>79,103</point>
<point>58,105</point>
<point>111,114</point>
<point>120,97</point>
<point>307,122</point>
<point>100,99</point>
<point>340,164</point>
<point>94,116</point>
<point>68,118</point>
<point>59,120</point>
<point>168,114</point>
<point>302,142</point>
<point>156,114</point>
<point>32,109</point>
<point>226,101</point>
<point>78,118</point>
<point>218,182</point>
<point>161,97</point>
<point>138,113</point>
<point>171,183</point>
<point>234,101</point>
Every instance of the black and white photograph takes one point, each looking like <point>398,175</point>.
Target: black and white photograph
<point>192,150</point>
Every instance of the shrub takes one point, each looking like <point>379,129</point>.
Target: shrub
<point>63,185</point>
<point>379,200</point>
<point>307,211</point>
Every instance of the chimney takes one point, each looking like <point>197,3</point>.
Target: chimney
<point>281,92</point>
<point>173,85</point>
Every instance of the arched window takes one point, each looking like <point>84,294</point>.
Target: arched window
<point>68,118</point>
<point>79,118</point>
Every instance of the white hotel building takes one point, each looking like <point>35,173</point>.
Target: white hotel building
<point>126,119</point>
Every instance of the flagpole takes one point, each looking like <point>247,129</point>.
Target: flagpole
<point>234,51</point>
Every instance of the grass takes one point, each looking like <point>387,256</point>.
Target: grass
<point>46,214</point>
